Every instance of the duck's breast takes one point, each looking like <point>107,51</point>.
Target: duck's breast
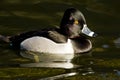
<point>45,45</point>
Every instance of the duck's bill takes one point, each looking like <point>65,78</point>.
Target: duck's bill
<point>88,32</point>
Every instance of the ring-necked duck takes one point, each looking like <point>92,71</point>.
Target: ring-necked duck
<point>67,39</point>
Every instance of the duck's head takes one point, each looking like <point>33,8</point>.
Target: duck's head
<point>73,24</point>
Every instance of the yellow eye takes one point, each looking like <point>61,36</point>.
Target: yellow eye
<point>76,22</point>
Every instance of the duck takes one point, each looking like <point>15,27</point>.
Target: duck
<point>69,38</point>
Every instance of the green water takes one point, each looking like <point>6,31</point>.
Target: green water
<point>102,16</point>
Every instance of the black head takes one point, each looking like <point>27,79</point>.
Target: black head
<point>72,23</point>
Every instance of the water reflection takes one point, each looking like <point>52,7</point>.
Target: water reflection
<point>117,72</point>
<point>59,76</point>
<point>117,43</point>
<point>65,61</point>
<point>105,46</point>
<point>65,65</point>
<point>48,60</point>
<point>42,57</point>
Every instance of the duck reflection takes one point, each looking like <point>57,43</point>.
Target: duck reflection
<point>48,60</point>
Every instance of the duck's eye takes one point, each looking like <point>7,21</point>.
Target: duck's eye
<point>76,22</point>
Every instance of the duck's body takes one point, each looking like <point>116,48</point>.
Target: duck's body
<point>52,42</point>
<point>64,40</point>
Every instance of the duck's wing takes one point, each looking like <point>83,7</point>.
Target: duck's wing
<point>57,37</point>
<point>17,39</point>
<point>50,34</point>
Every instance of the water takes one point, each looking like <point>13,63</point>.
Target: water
<point>102,63</point>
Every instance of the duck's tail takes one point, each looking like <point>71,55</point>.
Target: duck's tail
<point>4,38</point>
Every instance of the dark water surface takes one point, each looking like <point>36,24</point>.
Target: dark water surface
<point>102,63</point>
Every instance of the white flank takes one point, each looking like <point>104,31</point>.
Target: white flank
<point>44,45</point>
